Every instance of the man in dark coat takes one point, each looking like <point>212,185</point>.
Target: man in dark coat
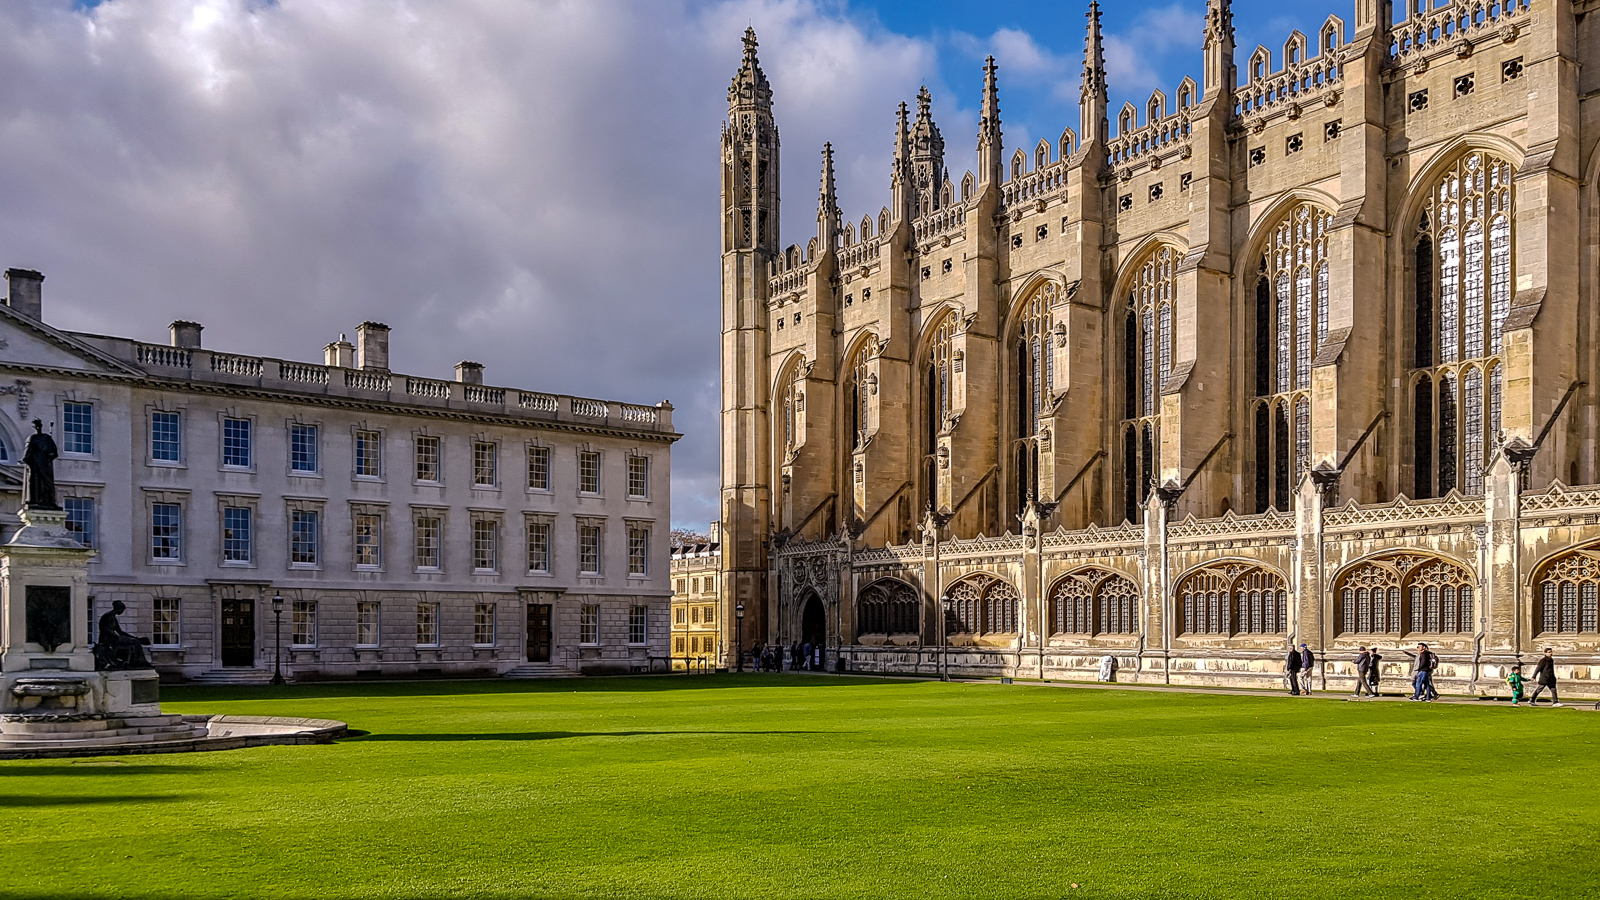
<point>1374,670</point>
<point>1544,676</point>
<point>1308,664</point>
<point>1291,668</point>
<point>1423,662</point>
<point>1364,672</point>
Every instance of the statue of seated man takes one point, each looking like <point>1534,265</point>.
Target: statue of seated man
<point>116,648</point>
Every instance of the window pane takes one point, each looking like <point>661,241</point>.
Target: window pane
<point>427,453</point>
<point>483,624</point>
<point>368,541</point>
<point>368,614</point>
<point>485,464</point>
<point>302,448</point>
<point>77,426</point>
<point>236,544</point>
<point>165,531</point>
<point>165,440</point>
<point>165,623</point>
<point>236,443</point>
<point>539,468</point>
<point>538,547</point>
<point>485,534</point>
<point>80,519</point>
<point>638,616</point>
<point>305,623</point>
<point>368,454</point>
<point>303,536</point>
<point>638,476</point>
<point>589,472</point>
<point>428,624</point>
<point>589,625</point>
<point>638,551</point>
<point>427,542</point>
<point>589,549</point>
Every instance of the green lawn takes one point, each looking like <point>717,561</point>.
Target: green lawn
<point>801,788</point>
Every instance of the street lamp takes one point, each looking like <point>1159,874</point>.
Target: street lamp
<point>738,613</point>
<point>277,639</point>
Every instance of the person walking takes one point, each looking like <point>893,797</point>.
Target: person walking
<point>1308,664</point>
<point>1514,680</point>
<point>1374,671</point>
<point>1423,662</point>
<point>1291,670</point>
<point>1544,676</point>
<point>1363,672</point>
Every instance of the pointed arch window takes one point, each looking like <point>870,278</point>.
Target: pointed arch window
<point>982,604</point>
<point>1292,309</point>
<point>1147,362</point>
<point>1462,293</point>
<point>1094,601</point>
<point>1404,593</point>
<point>1567,593</point>
<point>1232,598</point>
<point>889,606</point>
<point>938,399</point>
<point>860,384</point>
<point>1033,361</point>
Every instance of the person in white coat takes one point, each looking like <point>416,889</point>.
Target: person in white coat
<point>1108,668</point>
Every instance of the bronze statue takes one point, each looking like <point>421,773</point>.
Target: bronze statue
<point>116,648</point>
<point>40,460</point>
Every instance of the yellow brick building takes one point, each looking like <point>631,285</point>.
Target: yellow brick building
<point>695,626</point>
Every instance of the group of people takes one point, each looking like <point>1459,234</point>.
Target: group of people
<point>778,658</point>
<point>1300,662</point>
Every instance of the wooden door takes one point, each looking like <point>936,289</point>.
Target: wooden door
<point>238,632</point>
<point>539,632</point>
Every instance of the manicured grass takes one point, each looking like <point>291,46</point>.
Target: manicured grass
<point>801,788</point>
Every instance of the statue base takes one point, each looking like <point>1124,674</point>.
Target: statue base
<point>44,528</point>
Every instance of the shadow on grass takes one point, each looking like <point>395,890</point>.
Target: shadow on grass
<point>465,687</point>
<point>102,769</point>
<point>554,735</point>
<point>21,800</point>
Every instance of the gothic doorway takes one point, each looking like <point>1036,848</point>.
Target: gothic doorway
<point>238,632</point>
<point>538,632</point>
<point>813,622</point>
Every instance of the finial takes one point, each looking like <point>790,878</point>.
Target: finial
<point>750,42</point>
<point>924,102</point>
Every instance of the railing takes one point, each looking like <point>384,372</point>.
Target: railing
<point>646,415</point>
<point>861,253</point>
<point>246,366</point>
<point>300,373</point>
<point>477,393</point>
<point>157,355</point>
<point>1230,525</point>
<point>1559,499</point>
<point>1450,23</point>
<point>1149,139</point>
<point>1297,81</point>
<point>1450,506</point>
<point>939,223</point>
<point>588,409</point>
<point>367,381</point>
<point>428,387</point>
<point>544,403</point>
<point>1046,182</point>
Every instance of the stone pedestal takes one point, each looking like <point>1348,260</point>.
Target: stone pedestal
<point>46,638</point>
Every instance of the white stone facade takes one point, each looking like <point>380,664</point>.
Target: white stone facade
<point>398,517</point>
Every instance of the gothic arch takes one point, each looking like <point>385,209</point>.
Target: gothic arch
<point>889,606</point>
<point>1565,587</point>
<point>1028,381</point>
<point>857,385</point>
<point>1284,303</point>
<point>1092,601</point>
<point>1404,593</point>
<point>1227,597</point>
<point>1143,315</point>
<point>1421,184</point>
<point>934,369</point>
<point>788,405</point>
<point>982,603</point>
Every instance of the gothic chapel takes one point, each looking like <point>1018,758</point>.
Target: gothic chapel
<point>1301,352</point>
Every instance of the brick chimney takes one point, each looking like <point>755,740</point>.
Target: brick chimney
<point>186,334</point>
<point>26,292</point>
<point>372,346</point>
<point>469,372</point>
<point>340,353</point>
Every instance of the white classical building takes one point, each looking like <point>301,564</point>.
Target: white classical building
<point>409,525</point>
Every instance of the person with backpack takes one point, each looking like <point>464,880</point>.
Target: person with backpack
<point>1291,670</point>
<point>1374,670</point>
<point>1544,676</point>
<point>1423,662</point>
<point>1308,664</point>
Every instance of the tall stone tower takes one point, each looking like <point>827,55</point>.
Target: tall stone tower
<point>749,244</point>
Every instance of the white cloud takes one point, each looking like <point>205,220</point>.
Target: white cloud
<point>1135,58</point>
<point>529,184</point>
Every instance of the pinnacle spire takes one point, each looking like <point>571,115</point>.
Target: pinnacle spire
<point>1219,47</point>
<point>990,164</point>
<point>828,225</point>
<point>1093,98</point>
<point>750,86</point>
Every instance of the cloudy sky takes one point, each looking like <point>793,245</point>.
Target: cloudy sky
<point>528,183</point>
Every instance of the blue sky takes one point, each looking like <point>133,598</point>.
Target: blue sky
<point>528,183</point>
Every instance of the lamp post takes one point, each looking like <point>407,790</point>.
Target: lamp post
<point>277,638</point>
<point>738,613</point>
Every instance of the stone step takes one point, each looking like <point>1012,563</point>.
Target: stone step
<point>234,676</point>
<point>44,726</point>
<point>540,670</point>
